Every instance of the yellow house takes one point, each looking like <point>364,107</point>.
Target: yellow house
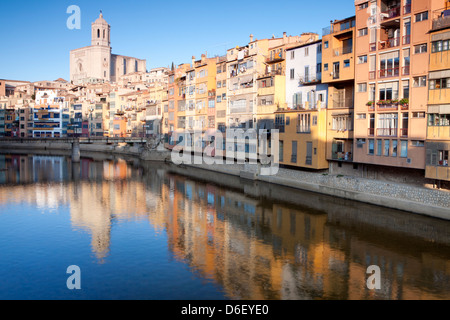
<point>438,129</point>
<point>303,137</point>
<point>338,71</point>
<point>205,99</point>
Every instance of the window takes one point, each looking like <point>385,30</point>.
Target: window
<point>363,6</point>
<point>404,148</point>
<point>346,63</point>
<point>441,45</point>
<point>362,59</point>
<point>386,148</point>
<point>388,90</point>
<point>360,143</point>
<point>418,114</point>
<point>361,116</point>
<point>420,48</point>
<point>422,16</point>
<point>325,67</point>
<point>281,150</point>
<point>371,147</point>
<point>394,148</point>
<point>443,157</point>
<point>292,73</point>
<point>292,54</point>
<point>319,48</point>
<point>362,32</point>
<point>418,143</point>
<point>325,44</point>
<point>314,121</point>
<point>304,123</point>
<point>306,51</point>
<point>436,119</point>
<point>294,152</point>
<point>379,147</point>
<point>439,84</point>
<point>420,81</point>
<point>362,87</point>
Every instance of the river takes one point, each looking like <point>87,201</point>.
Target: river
<point>144,230</point>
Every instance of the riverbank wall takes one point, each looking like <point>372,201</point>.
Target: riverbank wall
<point>420,200</point>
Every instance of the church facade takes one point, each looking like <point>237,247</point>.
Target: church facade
<point>96,63</point>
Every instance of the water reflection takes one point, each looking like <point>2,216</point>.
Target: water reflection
<point>277,243</point>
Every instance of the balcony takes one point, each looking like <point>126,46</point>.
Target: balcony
<point>342,51</point>
<point>390,14</point>
<point>388,73</point>
<point>387,105</point>
<point>387,132</point>
<point>276,58</point>
<point>303,128</point>
<point>441,19</point>
<point>389,43</point>
<point>341,156</point>
<point>372,46</point>
<point>371,105</point>
<point>310,78</point>
<point>371,132</point>
<point>407,39</point>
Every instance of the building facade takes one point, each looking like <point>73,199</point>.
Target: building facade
<point>96,63</point>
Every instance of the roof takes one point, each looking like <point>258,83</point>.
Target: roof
<point>304,45</point>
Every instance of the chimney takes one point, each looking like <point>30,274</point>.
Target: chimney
<point>251,38</point>
<point>193,61</point>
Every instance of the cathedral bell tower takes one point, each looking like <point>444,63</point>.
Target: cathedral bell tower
<point>101,32</point>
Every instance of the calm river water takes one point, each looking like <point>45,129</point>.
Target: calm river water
<point>155,231</point>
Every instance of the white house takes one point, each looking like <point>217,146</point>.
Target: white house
<point>303,77</point>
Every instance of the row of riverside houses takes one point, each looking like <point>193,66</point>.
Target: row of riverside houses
<point>368,99</point>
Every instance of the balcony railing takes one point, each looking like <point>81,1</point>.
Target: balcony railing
<point>310,78</point>
<point>373,46</point>
<point>387,132</point>
<point>407,39</point>
<point>405,71</point>
<point>341,51</point>
<point>389,43</point>
<point>303,129</point>
<point>276,57</point>
<point>404,132</point>
<point>391,13</point>
<point>387,106</point>
<point>388,73</point>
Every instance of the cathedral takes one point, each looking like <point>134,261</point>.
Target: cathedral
<point>96,63</point>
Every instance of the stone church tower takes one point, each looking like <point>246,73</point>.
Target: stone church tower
<point>96,64</point>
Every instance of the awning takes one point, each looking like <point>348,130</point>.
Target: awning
<point>439,74</point>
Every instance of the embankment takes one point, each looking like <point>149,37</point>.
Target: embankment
<point>419,200</point>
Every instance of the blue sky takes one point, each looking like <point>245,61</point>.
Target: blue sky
<point>36,41</point>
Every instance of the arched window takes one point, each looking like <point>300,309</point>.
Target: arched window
<point>98,33</point>
<point>104,33</point>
